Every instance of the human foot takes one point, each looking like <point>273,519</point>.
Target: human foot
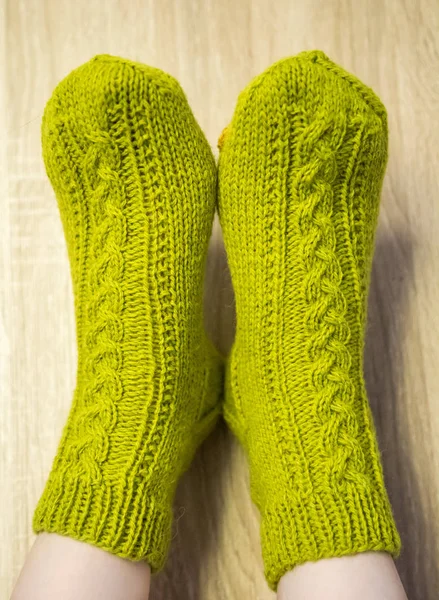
<point>135,183</point>
<point>300,174</point>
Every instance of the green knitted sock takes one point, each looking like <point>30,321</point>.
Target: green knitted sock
<point>300,174</point>
<point>135,183</point>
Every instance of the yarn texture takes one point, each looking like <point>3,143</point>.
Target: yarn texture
<point>135,182</point>
<point>300,174</point>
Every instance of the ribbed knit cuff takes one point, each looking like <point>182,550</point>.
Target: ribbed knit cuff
<point>121,518</point>
<point>325,525</point>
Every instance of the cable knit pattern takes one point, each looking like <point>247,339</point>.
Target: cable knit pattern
<point>135,183</point>
<point>301,168</point>
<point>326,329</point>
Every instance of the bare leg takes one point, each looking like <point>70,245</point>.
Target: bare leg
<point>60,568</point>
<point>367,576</point>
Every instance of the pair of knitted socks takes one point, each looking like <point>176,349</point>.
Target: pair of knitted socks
<point>300,172</point>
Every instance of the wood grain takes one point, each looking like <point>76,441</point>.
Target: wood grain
<point>214,49</point>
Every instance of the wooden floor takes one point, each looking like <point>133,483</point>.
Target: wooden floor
<point>214,48</point>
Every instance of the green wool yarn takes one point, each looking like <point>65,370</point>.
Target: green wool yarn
<point>135,182</point>
<point>300,174</point>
